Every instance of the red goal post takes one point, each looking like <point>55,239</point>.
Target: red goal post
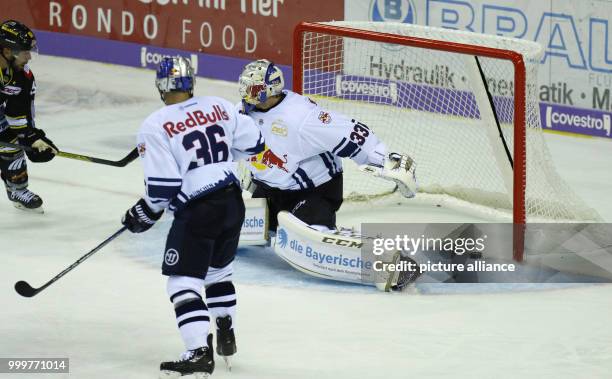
<point>519,153</point>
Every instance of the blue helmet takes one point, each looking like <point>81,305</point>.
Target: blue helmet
<point>175,74</point>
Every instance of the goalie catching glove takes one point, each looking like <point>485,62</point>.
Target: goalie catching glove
<point>140,217</point>
<point>398,168</point>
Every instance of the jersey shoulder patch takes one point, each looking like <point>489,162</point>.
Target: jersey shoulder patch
<point>325,117</point>
<point>28,72</point>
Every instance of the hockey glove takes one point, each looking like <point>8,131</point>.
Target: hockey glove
<point>398,168</point>
<point>44,149</point>
<point>140,217</point>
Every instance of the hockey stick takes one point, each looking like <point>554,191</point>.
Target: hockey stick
<point>120,163</point>
<point>26,290</point>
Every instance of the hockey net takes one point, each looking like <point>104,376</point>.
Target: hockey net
<point>462,104</point>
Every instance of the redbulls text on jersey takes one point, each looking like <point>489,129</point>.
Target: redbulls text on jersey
<point>195,118</point>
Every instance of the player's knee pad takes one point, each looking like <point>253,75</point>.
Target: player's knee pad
<point>14,170</point>
<point>216,275</point>
<point>221,300</point>
<point>192,315</point>
<point>220,289</point>
<point>10,156</point>
<point>184,286</point>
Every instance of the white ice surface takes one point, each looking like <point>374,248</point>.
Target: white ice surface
<point>111,317</point>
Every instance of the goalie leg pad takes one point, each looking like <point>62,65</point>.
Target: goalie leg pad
<point>255,228</point>
<point>334,256</point>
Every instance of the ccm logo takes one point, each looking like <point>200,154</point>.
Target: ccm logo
<point>195,118</point>
<point>341,242</point>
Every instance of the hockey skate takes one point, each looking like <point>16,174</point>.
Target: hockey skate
<point>198,362</point>
<point>25,199</point>
<point>226,340</point>
<point>399,280</point>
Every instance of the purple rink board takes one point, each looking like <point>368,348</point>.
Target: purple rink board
<point>575,120</point>
<point>139,55</point>
<point>457,102</point>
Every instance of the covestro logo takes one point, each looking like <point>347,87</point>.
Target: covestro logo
<point>556,118</point>
<point>152,59</point>
<point>361,87</point>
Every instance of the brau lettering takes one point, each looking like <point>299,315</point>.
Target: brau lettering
<point>195,118</point>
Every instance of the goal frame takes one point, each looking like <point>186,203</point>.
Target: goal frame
<point>520,89</point>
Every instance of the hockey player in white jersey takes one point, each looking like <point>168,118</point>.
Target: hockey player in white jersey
<point>187,149</point>
<point>300,175</point>
<point>301,168</point>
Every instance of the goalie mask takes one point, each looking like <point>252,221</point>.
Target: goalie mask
<point>174,74</point>
<point>259,81</point>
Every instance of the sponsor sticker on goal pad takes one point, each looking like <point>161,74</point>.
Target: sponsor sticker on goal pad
<point>486,253</point>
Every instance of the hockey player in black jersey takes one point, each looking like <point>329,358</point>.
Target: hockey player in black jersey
<point>17,91</point>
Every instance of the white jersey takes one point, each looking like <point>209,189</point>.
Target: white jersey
<point>188,150</point>
<point>304,144</point>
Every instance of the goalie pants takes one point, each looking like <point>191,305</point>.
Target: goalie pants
<point>205,234</point>
<point>317,206</point>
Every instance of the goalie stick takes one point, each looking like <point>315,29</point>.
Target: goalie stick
<point>120,163</point>
<point>26,290</point>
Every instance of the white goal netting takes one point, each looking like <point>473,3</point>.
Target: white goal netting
<point>433,105</point>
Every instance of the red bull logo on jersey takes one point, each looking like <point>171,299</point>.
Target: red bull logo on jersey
<point>325,117</point>
<point>267,159</point>
<point>195,118</point>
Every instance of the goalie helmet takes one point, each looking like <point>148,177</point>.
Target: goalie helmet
<point>175,74</point>
<point>260,80</point>
<point>16,36</point>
